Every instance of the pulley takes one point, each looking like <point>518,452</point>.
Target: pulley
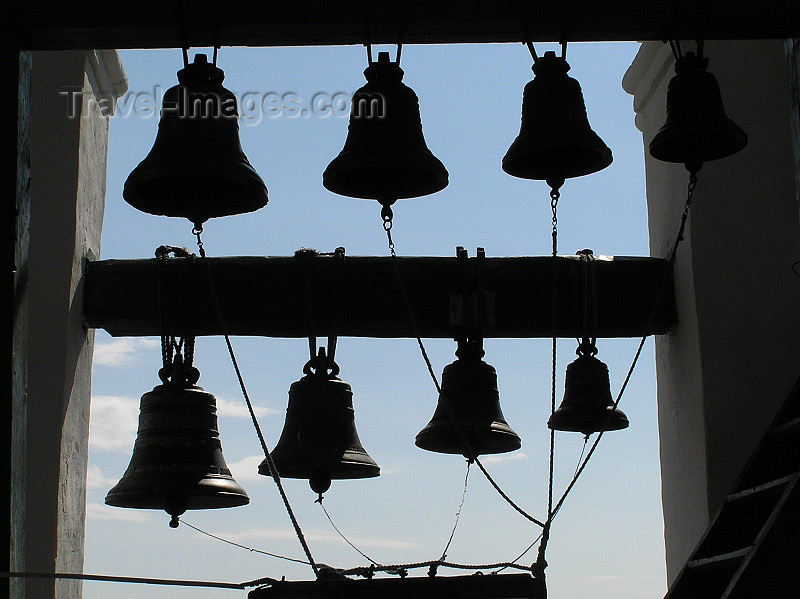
<point>587,406</point>
<point>468,409</point>
<point>319,441</point>
<point>555,141</point>
<point>697,129</point>
<point>385,157</point>
<point>177,462</point>
<point>196,168</point>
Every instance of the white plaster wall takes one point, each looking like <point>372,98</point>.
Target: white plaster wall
<point>68,172</point>
<point>733,357</point>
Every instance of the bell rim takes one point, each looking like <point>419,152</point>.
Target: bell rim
<point>346,469</point>
<point>499,438</point>
<point>212,492</point>
<point>598,421</point>
<point>519,165</point>
<point>436,179</point>
<point>731,142</point>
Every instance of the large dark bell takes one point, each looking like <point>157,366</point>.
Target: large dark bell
<point>319,441</point>
<point>587,406</point>
<point>555,141</point>
<point>385,157</point>
<point>196,168</point>
<point>697,128</point>
<point>470,403</point>
<point>177,461</point>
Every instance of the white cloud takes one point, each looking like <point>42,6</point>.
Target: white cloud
<point>506,457</point>
<point>123,351</point>
<point>246,468</point>
<point>99,511</point>
<point>113,422</point>
<point>227,408</point>
<point>95,479</point>
<point>317,536</point>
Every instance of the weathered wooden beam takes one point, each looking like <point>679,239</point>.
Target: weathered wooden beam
<point>429,587</point>
<point>54,24</point>
<point>360,296</point>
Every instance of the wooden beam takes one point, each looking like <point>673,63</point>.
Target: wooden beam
<point>522,586</point>
<point>360,297</point>
<point>93,24</point>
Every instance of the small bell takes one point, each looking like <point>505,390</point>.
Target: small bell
<point>196,168</point>
<point>470,404</point>
<point>385,157</point>
<point>177,462</point>
<point>697,128</point>
<point>555,141</point>
<point>319,441</point>
<point>587,406</point>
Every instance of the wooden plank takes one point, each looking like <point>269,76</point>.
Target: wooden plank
<point>724,560</point>
<point>499,586</point>
<point>302,296</point>
<point>53,24</point>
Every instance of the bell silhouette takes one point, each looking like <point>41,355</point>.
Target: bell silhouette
<point>555,141</point>
<point>469,405</point>
<point>697,128</point>
<point>196,168</point>
<point>319,441</point>
<point>587,406</point>
<point>177,461</point>
<point>385,157</point>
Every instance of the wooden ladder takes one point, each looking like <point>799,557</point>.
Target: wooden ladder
<point>752,547</point>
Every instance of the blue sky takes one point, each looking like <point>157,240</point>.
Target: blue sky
<point>606,542</point>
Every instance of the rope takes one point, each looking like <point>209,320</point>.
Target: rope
<point>251,549</point>
<point>401,568</point>
<point>458,513</point>
<point>678,238</point>
<point>273,470</point>
<point>124,579</point>
<point>344,538</point>
<point>387,226</point>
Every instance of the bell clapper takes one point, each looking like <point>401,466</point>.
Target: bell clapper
<point>319,481</point>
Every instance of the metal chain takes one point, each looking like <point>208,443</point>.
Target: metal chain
<point>166,341</point>
<point>684,217</point>
<point>541,564</point>
<point>196,230</point>
<point>554,197</point>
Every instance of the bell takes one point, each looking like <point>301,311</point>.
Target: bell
<point>384,156</point>
<point>697,128</point>
<point>555,141</point>
<point>196,168</point>
<point>587,406</point>
<point>177,461</point>
<point>469,403</point>
<point>319,441</point>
